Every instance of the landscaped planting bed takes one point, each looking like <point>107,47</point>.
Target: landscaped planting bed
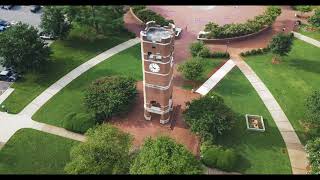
<point>33,152</point>
<point>291,81</point>
<point>146,15</point>
<point>310,31</point>
<point>260,153</point>
<point>214,31</point>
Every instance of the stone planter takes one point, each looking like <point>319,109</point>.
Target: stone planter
<point>255,123</point>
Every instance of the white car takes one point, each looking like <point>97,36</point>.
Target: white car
<point>178,31</point>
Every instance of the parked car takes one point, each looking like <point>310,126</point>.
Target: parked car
<point>9,74</point>
<point>35,8</point>
<point>4,23</point>
<point>45,36</point>
<point>7,7</point>
<point>2,28</point>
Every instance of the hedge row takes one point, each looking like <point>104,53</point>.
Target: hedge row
<point>251,26</point>
<point>217,157</point>
<point>255,51</point>
<point>146,15</point>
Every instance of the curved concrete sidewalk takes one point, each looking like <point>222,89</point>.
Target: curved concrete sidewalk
<point>10,123</point>
<point>306,39</point>
<point>296,152</point>
<point>39,101</point>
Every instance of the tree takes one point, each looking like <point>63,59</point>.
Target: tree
<point>196,47</point>
<point>313,110</point>
<point>281,44</point>
<point>102,19</point>
<point>209,117</point>
<point>313,149</point>
<point>54,22</point>
<point>105,151</point>
<point>164,156</point>
<point>21,47</point>
<point>109,96</point>
<point>315,19</point>
<point>192,69</point>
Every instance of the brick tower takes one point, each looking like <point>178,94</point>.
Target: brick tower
<point>157,47</point>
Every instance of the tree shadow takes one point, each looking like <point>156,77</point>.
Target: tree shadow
<point>305,64</point>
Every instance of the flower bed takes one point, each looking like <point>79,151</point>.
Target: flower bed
<point>241,30</point>
<point>255,123</point>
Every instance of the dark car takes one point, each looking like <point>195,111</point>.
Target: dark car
<point>4,23</point>
<point>35,8</point>
<point>8,7</point>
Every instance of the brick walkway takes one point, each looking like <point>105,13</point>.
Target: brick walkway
<point>296,152</point>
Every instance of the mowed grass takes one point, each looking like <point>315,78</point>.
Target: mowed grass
<point>33,152</point>
<point>210,65</point>
<point>313,34</point>
<point>67,55</point>
<point>71,98</point>
<point>261,152</point>
<point>291,81</point>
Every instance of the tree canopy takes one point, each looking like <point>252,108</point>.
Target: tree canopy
<point>105,151</point>
<point>313,149</point>
<point>21,47</point>
<point>164,156</point>
<point>209,117</point>
<point>192,69</point>
<point>281,44</point>
<point>313,109</point>
<point>53,21</point>
<point>110,95</point>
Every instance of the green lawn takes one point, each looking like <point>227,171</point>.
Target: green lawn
<point>33,152</point>
<point>261,152</point>
<point>313,34</point>
<point>67,55</point>
<point>209,64</point>
<point>292,80</point>
<point>70,98</point>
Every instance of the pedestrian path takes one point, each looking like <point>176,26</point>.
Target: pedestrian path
<point>5,94</point>
<point>306,39</point>
<point>216,78</point>
<point>296,152</point>
<point>39,101</point>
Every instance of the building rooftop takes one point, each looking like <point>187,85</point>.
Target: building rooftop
<point>158,33</point>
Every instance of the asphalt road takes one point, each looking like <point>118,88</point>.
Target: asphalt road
<point>21,13</point>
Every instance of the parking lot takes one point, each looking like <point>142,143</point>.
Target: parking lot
<point>21,13</point>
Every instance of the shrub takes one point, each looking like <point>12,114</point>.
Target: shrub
<point>137,8</point>
<point>315,19</point>
<point>251,26</point>
<point>147,15</point>
<point>192,70</point>
<point>313,149</point>
<point>79,123</point>
<point>204,52</point>
<point>216,157</point>
<point>218,54</point>
<point>313,110</point>
<point>195,48</point>
<point>209,116</point>
<point>111,95</point>
<point>281,44</point>
<point>254,51</point>
<point>302,8</point>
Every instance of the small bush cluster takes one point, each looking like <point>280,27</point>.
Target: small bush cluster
<point>146,15</point>
<point>313,150</point>
<point>315,19</point>
<point>79,123</point>
<point>255,51</point>
<point>302,8</point>
<point>217,157</point>
<point>198,49</point>
<point>251,26</point>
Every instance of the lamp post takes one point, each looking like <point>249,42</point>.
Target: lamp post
<point>227,46</point>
